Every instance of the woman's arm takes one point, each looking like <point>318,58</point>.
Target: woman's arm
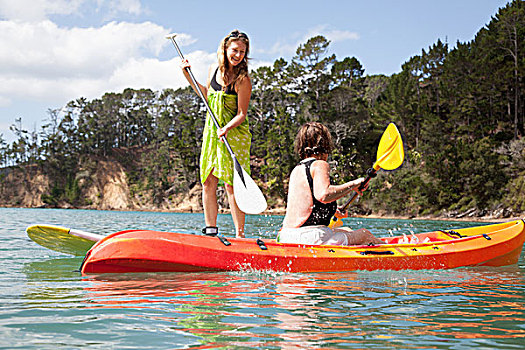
<point>323,190</point>
<point>186,64</point>
<point>244,93</point>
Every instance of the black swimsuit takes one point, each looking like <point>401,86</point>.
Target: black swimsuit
<point>321,212</point>
<point>230,90</point>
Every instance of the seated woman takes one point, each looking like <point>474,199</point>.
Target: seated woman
<point>312,199</point>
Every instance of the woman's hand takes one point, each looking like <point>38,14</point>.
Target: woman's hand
<point>341,214</point>
<point>222,132</point>
<point>184,64</point>
<point>358,184</point>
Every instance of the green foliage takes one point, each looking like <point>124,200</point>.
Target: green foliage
<point>72,190</point>
<point>53,198</point>
<point>514,197</point>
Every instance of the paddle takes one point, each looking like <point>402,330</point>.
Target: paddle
<point>62,239</point>
<point>247,194</point>
<point>390,156</point>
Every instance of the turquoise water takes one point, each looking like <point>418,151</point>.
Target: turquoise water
<point>46,304</point>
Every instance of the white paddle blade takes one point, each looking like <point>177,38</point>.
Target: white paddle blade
<point>248,195</point>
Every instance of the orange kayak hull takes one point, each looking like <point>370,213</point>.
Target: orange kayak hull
<point>154,251</point>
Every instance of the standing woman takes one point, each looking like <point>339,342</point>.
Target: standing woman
<point>228,90</point>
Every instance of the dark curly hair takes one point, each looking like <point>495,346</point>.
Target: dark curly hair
<point>313,138</point>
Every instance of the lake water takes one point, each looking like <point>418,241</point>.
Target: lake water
<point>46,304</point>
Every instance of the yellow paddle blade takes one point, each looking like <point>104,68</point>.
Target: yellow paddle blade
<point>62,239</point>
<point>390,153</point>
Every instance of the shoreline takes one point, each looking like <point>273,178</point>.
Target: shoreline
<point>431,218</point>
<point>281,212</point>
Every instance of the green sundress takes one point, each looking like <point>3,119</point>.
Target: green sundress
<point>215,157</point>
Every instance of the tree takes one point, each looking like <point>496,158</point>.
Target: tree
<point>21,144</point>
<point>3,151</point>
<point>310,69</point>
<point>506,32</point>
<point>274,111</point>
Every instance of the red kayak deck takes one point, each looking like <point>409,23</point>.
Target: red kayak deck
<point>153,251</point>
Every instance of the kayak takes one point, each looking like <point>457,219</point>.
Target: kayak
<point>153,251</point>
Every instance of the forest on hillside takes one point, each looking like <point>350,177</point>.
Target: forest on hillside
<point>460,111</point>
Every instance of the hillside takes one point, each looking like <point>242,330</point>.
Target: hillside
<point>106,186</point>
<point>103,184</point>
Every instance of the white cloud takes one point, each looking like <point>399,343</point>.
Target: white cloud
<point>285,48</point>
<point>341,35</point>
<point>282,49</point>
<point>39,10</point>
<point>43,61</point>
<point>133,7</point>
<point>184,39</point>
<point>44,65</point>
<point>158,75</point>
<point>333,35</point>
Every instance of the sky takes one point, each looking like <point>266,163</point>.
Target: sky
<point>55,51</point>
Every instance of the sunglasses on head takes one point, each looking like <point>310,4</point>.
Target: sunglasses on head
<point>238,35</point>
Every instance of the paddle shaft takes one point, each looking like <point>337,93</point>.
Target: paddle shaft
<point>203,98</point>
<point>371,174</point>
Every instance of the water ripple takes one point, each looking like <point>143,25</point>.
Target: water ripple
<point>46,304</point>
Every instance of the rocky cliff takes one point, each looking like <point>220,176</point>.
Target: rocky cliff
<point>104,187</point>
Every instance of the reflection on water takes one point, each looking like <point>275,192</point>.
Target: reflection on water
<point>309,311</point>
<point>45,303</point>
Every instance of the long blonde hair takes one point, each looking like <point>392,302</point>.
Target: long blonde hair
<point>241,70</point>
